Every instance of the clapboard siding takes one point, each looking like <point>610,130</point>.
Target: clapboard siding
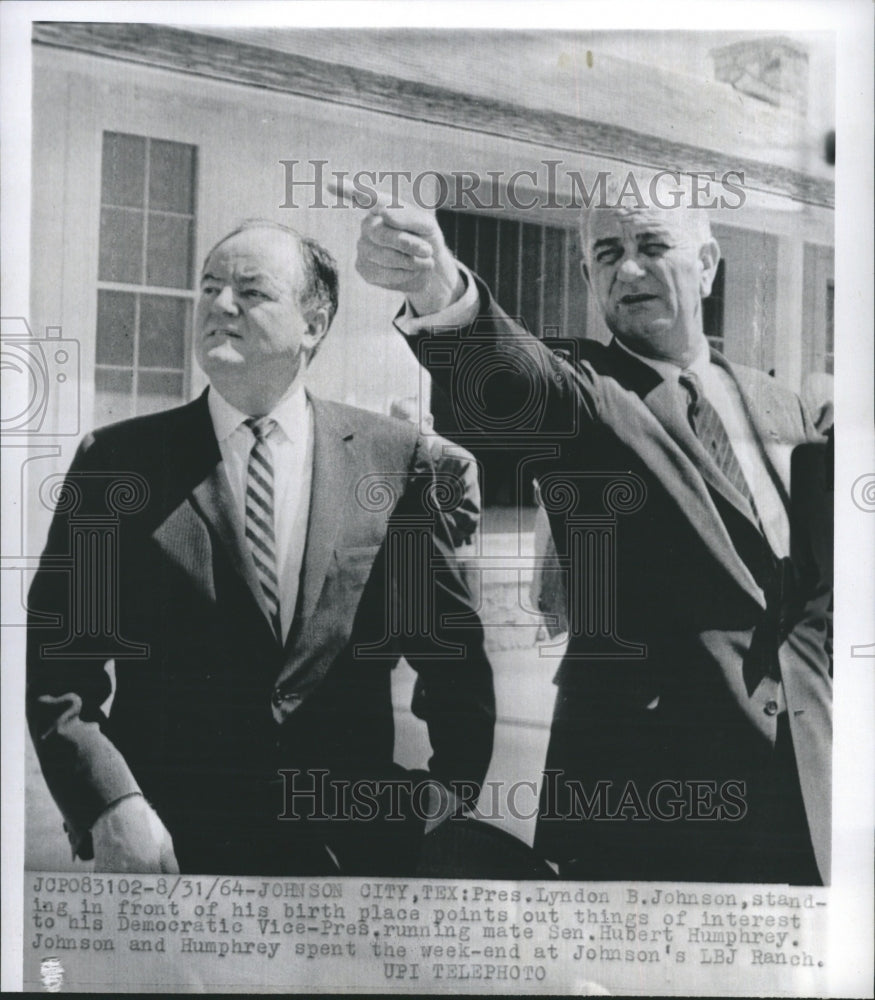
<point>251,65</point>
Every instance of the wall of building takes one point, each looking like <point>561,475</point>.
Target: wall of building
<point>242,133</point>
<point>658,83</point>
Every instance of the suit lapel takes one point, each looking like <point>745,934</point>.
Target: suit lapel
<point>212,499</point>
<point>765,432</point>
<point>665,401</point>
<point>674,439</point>
<point>332,473</point>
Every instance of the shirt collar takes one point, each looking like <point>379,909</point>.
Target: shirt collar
<point>290,412</point>
<point>670,371</point>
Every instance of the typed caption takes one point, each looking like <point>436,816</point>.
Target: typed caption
<point>164,933</point>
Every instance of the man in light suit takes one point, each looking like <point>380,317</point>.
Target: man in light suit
<point>251,605</point>
<point>691,737</point>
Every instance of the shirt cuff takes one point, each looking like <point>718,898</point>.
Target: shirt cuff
<point>462,312</point>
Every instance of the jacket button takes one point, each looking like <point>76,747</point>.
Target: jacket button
<point>771,708</point>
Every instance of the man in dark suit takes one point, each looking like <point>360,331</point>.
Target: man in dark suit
<point>459,467</point>
<point>691,737</point>
<point>459,477</point>
<point>253,606</point>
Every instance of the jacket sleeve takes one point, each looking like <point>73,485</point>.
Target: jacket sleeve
<point>455,693</point>
<point>67,682</point>
<point>458,473</point>
<point>811,524</point>
<point>501,380</point>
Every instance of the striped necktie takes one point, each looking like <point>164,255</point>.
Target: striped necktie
<point>259,515</point>
<point>709,429</point>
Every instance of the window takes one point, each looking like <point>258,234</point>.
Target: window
<point>533,271</point>
<point>146,252</point>
<point>818,305</point>
<point>712,309</point>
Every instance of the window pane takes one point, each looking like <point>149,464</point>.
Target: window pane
<point>713,305</point>
<point>447,221</point>
<point>507,285</point>
<point>121,246</point>
<point>531,276</point>
<point>466,239</point>
<point>158,390</point>
<point>554,269</point>
<point>115,328</point>
<point>576,290</point>
<point>114,395</point>
<point>124,169</point>
<point>169,251</point>
<point>487,241</point>
<point>171,176</point>
<point>163,325</point>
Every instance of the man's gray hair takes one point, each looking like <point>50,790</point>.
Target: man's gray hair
<point>667,193</point>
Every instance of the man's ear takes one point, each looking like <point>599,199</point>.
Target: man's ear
<point>317,326</point>
<point>709,258</point>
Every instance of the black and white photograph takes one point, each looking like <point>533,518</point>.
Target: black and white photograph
<point>438,465</point>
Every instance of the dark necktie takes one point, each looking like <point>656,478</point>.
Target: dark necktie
<point>709,429</point>
<point>769,572</point>
<point>259,515</point>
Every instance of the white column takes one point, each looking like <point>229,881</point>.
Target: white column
<point>789,319</point>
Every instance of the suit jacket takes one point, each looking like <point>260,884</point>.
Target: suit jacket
<point>548,592</point>
<point>693,626</point>
<point>459,470</point>
<point>208,706</point>
<point>459,496</point>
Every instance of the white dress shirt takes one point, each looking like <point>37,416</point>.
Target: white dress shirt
<point>291,449</point>
<point>459,313</point>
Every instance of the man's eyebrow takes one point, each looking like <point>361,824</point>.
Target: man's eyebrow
<point>606,241</point>
<point>255,277</point>
<point>652,235</point>
<point>243,279</point>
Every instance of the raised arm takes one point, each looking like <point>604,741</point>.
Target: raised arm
<point>491,367</point>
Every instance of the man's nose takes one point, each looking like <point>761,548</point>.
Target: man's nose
<point>225,301</point>
<point>630,270</point>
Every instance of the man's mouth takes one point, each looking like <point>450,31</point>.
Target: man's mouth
<point>636,298</point>
<point>219,345</point>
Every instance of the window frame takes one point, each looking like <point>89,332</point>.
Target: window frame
<point>184,293</point>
